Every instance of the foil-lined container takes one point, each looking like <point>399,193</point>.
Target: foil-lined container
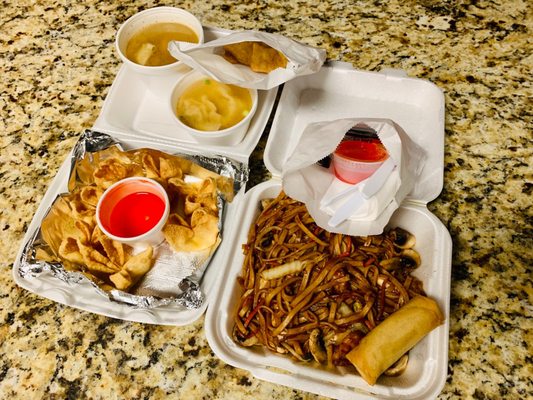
<point>175,276</point>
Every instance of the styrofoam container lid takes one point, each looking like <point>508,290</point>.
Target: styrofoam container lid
<point>136,112</point>
<point>339,91</point>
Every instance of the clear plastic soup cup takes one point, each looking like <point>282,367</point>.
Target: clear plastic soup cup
<point>117,192</point>
<point>351,170</point>
<point>226,137</point>
<point>149,17</point>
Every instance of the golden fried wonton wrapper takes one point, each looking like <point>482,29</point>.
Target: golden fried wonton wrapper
<point>109,172</point>
<point>240,53</point>
<point>59,224</point>
<point>170,168</point>
<point>90,195</point>
<point>84,168</point>
<point>113,249</point>
<point>134,269</point>
<point>201,234</point>
<point>266,59</point>
<point>259,56</point>
<point>69,250</point>
<point>96,261</point>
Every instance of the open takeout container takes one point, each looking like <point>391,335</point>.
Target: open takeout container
<point>339,91</point>
<point>136,112</point>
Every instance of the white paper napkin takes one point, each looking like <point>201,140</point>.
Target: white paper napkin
<point>207,57</point>
<point>314,185</point>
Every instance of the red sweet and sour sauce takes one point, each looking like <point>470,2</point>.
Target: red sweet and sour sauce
<point>361,150</point>
<point>135,214</point>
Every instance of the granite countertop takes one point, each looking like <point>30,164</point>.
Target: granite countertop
<point>57,64</point>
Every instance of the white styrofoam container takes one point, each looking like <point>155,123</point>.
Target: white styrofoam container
<point>339,91</point>
<point>131,113</point>
<point>138,105</point>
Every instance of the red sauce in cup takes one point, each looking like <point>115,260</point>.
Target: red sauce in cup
<point>356,160</point>
<point>135,214</point>
<point>360,150</point>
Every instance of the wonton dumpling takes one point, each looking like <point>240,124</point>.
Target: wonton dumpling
<point>200,114</point>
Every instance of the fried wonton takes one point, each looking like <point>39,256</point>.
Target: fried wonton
<point>200,233</point>
<point>133,270</point>
<point>259,56</point>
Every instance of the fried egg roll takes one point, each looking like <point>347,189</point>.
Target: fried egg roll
<point>392,338</point>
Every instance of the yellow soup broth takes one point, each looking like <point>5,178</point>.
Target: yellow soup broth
<point>208,105</point>
<point>148,46</point>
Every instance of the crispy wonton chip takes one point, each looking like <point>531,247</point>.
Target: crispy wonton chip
<point>240,52</point>
<point>266,59</point>
<point>58,224</point>
<point>70,251</point>
<point>201,234</point>
<point>90,195</point>
<point>259,56</point>
<point>135,268</point>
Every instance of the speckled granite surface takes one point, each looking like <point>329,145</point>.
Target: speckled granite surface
<point>57,63</point>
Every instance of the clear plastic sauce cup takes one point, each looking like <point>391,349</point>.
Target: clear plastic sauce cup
<point>134,211</point>
<point>356,160</point>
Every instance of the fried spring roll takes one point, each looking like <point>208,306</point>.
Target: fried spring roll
<point>391,339</point>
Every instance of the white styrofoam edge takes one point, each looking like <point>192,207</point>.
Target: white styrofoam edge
<point>292,377</point>
<point>74,295</point>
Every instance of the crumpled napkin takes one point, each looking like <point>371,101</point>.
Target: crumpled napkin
<point>304,180</point>
<point>207,57</point>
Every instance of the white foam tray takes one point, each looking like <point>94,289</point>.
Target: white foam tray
<point>138,105</point>
<point>83,296</point>
<point>134,112</point>
<point>339,91</point>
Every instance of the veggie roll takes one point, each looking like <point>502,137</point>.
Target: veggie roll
<point>398,333</point>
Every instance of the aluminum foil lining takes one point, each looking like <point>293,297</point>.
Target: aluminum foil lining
<point>175,277</point>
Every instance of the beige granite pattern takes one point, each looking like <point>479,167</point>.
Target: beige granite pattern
<point>57,63</point>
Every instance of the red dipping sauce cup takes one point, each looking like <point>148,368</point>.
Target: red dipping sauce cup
<point>356,160</point>
<point>134,211</point>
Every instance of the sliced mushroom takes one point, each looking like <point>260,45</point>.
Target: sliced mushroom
<point>316,346</point>
<point>344,310</point>
<point>410,259</point>
<point>403,239</point>
<point>398,367</point>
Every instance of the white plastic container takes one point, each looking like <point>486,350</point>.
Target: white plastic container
<point>335,92</point>
<point>226,137</point>
<point>153,16</point>
<point>353,170</point>
<point>136,114</point>
<point>137,106</point>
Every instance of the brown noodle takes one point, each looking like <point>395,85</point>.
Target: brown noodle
<point>337,288</point>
